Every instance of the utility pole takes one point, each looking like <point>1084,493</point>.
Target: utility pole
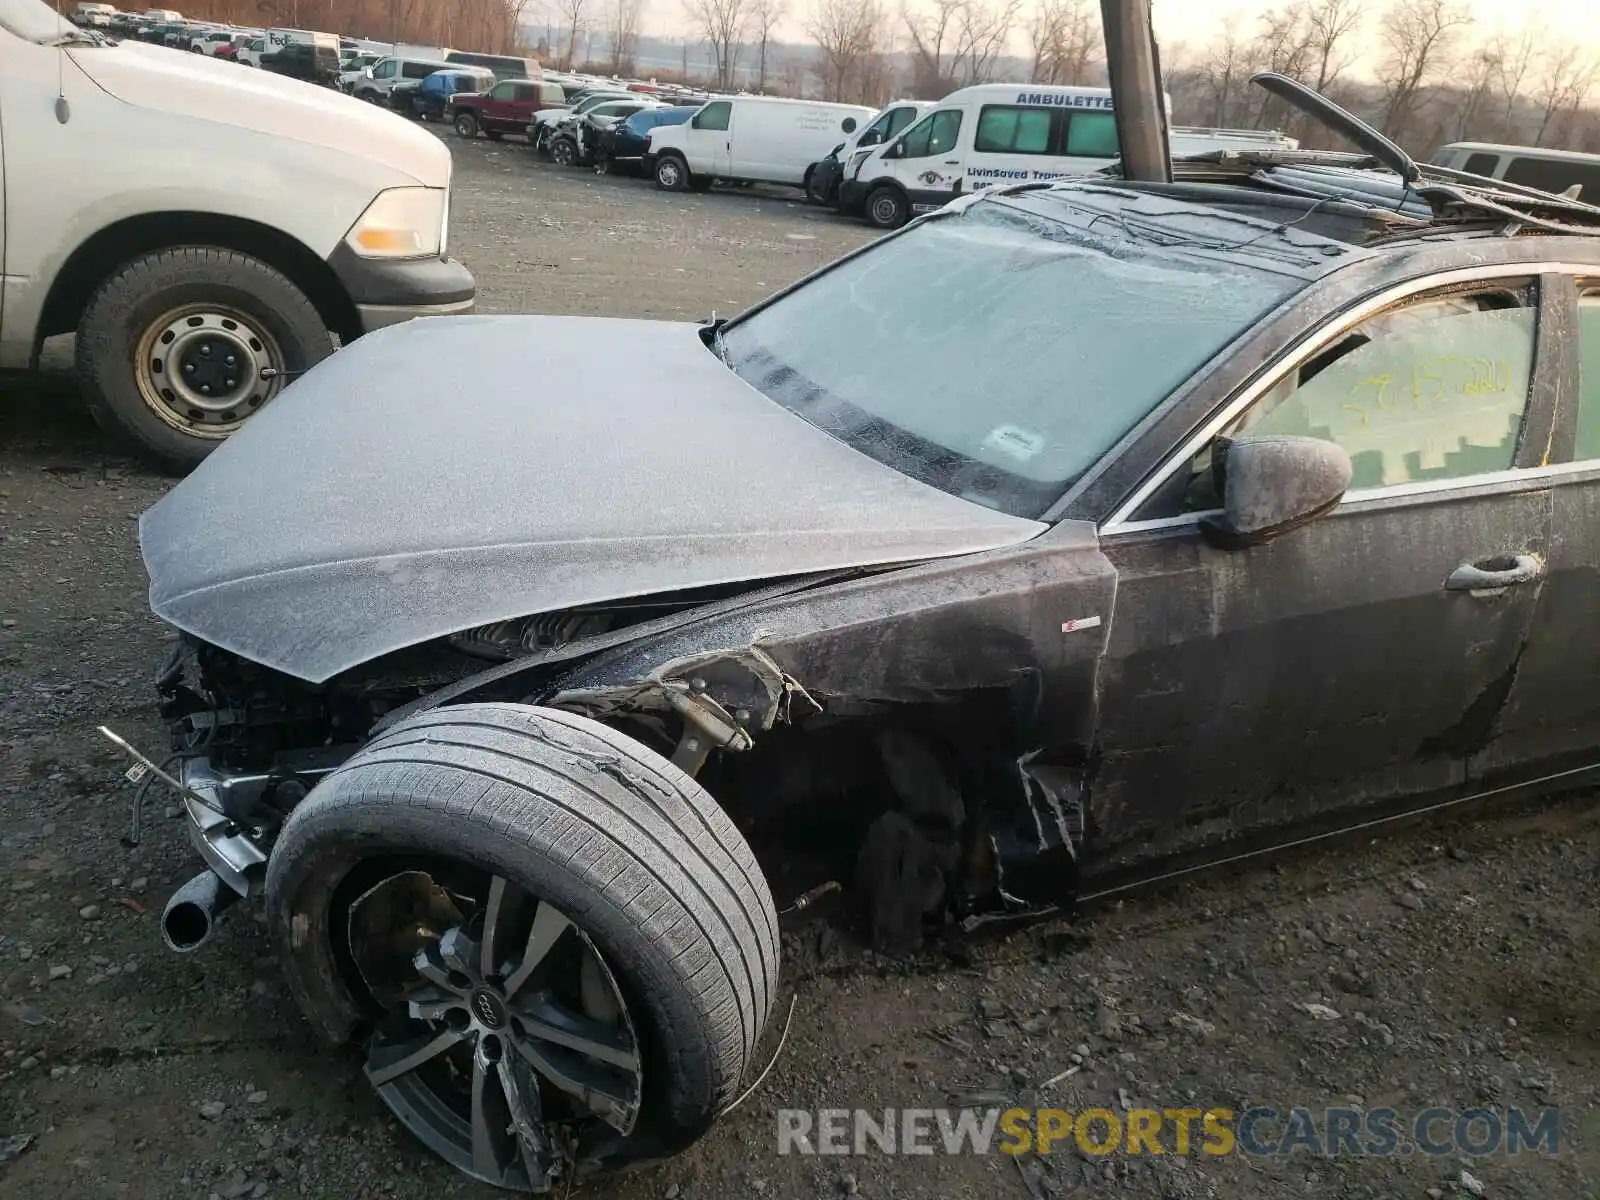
<point>1137,97</point>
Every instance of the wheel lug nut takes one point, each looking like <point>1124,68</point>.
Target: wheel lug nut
<point>206,388</point>
<point>206,350</point>
<point>188,368</point>
<point>230,360</point>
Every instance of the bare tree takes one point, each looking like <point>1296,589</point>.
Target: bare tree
<point>932,32</point>
<point>847,33</point>
<point>574,14</point>
<point>1419,38</point>
<point>1478,77</point>
<point>764,18</point>
<point>1566,77</point>
<point>982,32</point>
<point>722,23</point>
<point>1227,66</point>
<point>1064,35</point>
<point>622,26</point>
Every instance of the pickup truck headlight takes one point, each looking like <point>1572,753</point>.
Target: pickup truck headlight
<point>404,222</point>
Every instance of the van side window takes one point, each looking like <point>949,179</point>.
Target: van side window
<point>714,115</point>
<point>1551,175</point>
<point>898,119</point>
<point>1482,164</point>
<point>1012,129</point>
<point>417,70</point>
<point>1092,135</point>
<point>934,134</point>
<point>1588,446</point>
<point>385,69</point>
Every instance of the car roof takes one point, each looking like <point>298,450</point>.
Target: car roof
<point>1523,151</point>
<point>1351,198</point>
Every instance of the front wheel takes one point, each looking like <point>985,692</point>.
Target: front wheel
<point>887,207</point>
<point>466,125</point>
<point>564,949</point>
<point>181,346</point>
<point>564,152</point>
<point>672,173</point>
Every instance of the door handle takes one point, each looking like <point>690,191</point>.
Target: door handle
<point>1492,574</point>
<point>952,162</point>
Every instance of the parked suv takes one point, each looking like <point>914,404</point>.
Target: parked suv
<point>625,144</point>
<point>377,79</point>
<point>507,107</point>
<point>314,62</point>
<point>427,99</point>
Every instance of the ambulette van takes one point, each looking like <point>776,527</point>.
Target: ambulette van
<point>749,139</point>
<point>1003,133</point>
<point>1548,170</point>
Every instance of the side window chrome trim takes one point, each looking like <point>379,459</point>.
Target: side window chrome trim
<point>1356,501</point>
<point>1320,338</point>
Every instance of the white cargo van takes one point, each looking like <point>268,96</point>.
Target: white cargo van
<point>1002,133</point>
<point>822,180</point>
<point>1548,170</point>
<point>205,231</point>
<point>749,139</point>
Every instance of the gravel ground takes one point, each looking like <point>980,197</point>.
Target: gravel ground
<point>1458,961</point>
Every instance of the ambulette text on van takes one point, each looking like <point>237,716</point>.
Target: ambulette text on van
<point>1002,133</point>
<point>204,230</point>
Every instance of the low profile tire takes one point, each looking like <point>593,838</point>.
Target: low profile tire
<point>539,920</point>
<point>672,174</point>
<point>564,152</point>
<point>171,347</point>
<point>887,208</point>
<point>466,125</point>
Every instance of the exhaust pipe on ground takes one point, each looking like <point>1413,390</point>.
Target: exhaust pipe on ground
<point>192,912</point>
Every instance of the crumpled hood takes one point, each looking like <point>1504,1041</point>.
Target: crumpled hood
<point>198,85</point>
<point>449,472</point>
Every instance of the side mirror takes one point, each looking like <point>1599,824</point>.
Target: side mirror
<point>897,150</point>
<point>1270,485</point>
<point>870,138</point>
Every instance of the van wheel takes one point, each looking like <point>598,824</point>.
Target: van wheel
<point>672,173</point>
<point>172,347</point>
<point>466,125</point>
<point>887,207</point>
<point>557,937</point>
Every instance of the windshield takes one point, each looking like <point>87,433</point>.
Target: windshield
<point>995,353</point>
<point>34,21</point>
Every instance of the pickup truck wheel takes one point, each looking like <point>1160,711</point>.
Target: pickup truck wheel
<point>887,207</point>
<point>672,173</point>
<point>466,125</point>
<point>563,152</point>
<point>559,938</point>
<point>172,347</point>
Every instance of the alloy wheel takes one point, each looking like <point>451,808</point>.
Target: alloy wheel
<point>505,1034</point>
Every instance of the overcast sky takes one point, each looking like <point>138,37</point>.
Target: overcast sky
<point>1193,22</point>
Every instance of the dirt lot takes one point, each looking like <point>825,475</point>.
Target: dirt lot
<point>1460,961</point>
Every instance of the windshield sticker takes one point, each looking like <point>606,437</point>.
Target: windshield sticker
<point>1013,442</point>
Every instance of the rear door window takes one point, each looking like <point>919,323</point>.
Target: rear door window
<point>1092,135</point>
<point>1588,446</point>
<point>1012,129</point>
<point>1482,164</point>
<point>1550,175</point>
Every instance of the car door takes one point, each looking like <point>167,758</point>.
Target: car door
<point>497,107</point>
<point>1366,657</point>
<point>709,139</point>
<point>523,104</point>
<point>1551,723</point>
<point>927,160</point>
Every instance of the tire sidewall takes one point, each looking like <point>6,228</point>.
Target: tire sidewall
<point>466,125</point>
<point>879,200</point>
<point>672,175</point>
<point>563,152</point>
<point>316,855</point>
<point>118,316</point>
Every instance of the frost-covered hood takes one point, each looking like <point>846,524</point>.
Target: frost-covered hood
<point>213,89</point>
<point>445,473</point>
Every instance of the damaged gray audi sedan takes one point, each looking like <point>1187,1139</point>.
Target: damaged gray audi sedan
<point>1074,528</point>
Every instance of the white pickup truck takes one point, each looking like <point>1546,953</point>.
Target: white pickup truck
<point>207,232</point>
